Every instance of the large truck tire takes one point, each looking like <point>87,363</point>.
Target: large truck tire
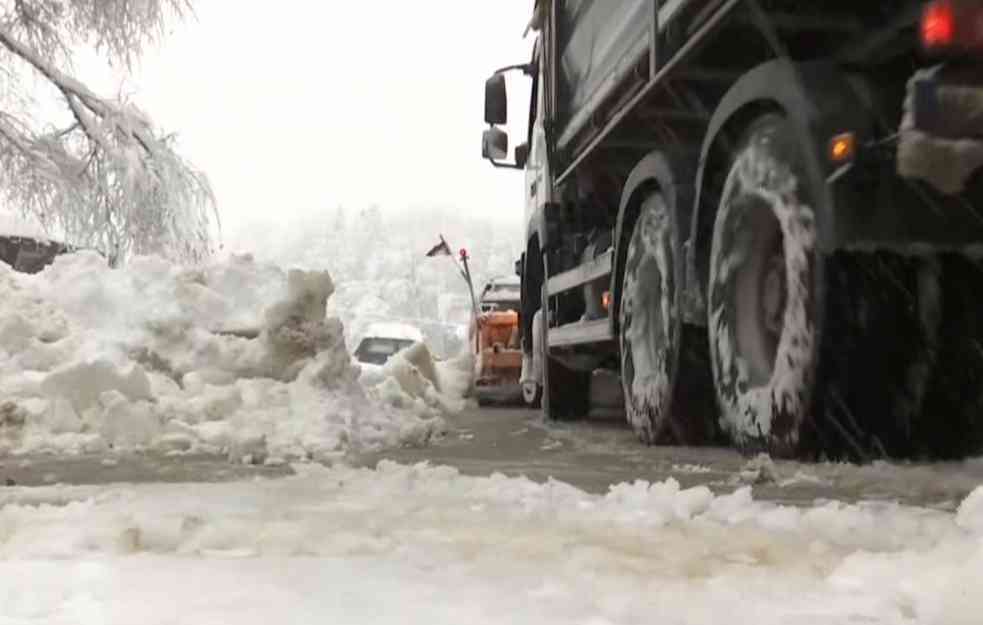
<point>882,321</point>
<point>951,426</point>
<point>649,324</point>
<point>763,296</point>
<point>812,355</point>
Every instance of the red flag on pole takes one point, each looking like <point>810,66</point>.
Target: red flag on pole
<point>441,249</point>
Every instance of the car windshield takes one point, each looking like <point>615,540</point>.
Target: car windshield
<point>377,350</point>
<point>498,306</point>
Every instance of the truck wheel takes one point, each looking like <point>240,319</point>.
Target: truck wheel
<point>951,426</point>
<point>873,384</point>
<point>763,299</point>
<point>649,323</point>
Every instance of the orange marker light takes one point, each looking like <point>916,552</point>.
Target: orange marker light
<point>842,147</point>
<point>606,300</point>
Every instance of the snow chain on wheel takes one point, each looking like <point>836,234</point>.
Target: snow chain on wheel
<point>649,323</point>
<point>763,299</point>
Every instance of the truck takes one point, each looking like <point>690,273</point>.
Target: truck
<point>495,342</point>
<point>763,215</point>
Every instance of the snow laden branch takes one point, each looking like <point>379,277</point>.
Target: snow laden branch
<point>106,179</point>
<point>120,29</point>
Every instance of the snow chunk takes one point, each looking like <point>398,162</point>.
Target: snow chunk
<point>82,383</point>
<point>125,423</point>
<point>412,380</point>
<point>970,514</point>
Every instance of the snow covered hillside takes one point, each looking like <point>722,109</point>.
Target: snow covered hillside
<point>420,544</point>
<point>237,357</point>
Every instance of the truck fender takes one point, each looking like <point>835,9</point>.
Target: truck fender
<point>669,172</point>
<point>819,99</point>
<point>536,226</point>
<point>532,276</point>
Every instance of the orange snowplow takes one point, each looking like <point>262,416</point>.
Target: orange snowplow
<point>494,333</point>
<point>498,355</point>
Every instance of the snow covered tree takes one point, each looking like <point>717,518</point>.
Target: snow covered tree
<point>103,176</point>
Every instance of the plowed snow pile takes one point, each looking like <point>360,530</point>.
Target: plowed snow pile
<point>412,379</point>
<point>236,357</point>
<point>424,544</point>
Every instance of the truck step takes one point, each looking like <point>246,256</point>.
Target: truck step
<point>582,274</point>
<point>580,333</point>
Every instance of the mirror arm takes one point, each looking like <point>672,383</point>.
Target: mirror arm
<point>504,165</point>
<point>527,69</point>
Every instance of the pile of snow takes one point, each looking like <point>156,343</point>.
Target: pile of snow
<point>235,357</point>
<point>419,544</point>
<point>412,379</point>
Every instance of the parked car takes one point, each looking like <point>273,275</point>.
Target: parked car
<point>381,341</point>
<point>30,254</point>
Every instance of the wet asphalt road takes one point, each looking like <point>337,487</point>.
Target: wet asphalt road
<point>590,454</point>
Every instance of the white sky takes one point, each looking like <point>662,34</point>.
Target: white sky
<point>299,105</point>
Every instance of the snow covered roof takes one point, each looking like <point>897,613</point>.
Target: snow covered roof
<point>393,330</point>
<point>504,281</point>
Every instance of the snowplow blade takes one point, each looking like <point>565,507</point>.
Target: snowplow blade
<point>500,394</point>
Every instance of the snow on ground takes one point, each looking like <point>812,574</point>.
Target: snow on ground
<point>236,357</point>
<point>411,378</point>
<point>421,544</point>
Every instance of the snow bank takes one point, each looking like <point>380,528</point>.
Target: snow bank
<point>412,378</point>
<point>236,357</point>
<point>324,546</point>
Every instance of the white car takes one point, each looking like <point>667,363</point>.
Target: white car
<point>380,342</point>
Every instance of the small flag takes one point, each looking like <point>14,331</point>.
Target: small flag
<point>441,249</point>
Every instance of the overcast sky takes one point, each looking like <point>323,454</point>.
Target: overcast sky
<point>299,105</point>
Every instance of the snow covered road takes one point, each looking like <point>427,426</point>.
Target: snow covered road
<point>591,455</point>
<point>405,544</point>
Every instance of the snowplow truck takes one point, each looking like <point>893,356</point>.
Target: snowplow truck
<point>764,215</point>
<point>498,359</point>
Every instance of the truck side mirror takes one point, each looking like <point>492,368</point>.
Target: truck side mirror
<point>521,155</point>
<point>496,100</point>
<point>494,144</point>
